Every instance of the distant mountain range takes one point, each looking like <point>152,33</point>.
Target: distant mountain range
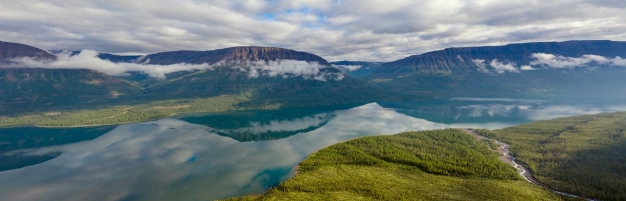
<point>571,69</point>
<point>289,78</point>
<point>458,60</point>
<point>265,75</point>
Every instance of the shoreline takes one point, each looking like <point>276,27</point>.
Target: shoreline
<point>174,114</point>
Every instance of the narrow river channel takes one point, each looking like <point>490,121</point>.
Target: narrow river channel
<point>504,149</point>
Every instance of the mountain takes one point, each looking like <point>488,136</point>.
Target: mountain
<point>463,59</point>
<point>234,54</point>
<point>24,90</point>
<point>265,75</point>
<point>357,68</point>
<point>32,89</point>
<point>262,76</point>
<point>15,50</point>
<point>510,70</point>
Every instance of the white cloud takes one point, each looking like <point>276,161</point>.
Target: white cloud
<point>88,59</point>
<point>481,65</point>
<point>558,61</point>
<point>287,69</point>
<point>527,67</point>
<point>497,66</point>
<point>549,61</point>
<point>336,30</point>
<point>502,67</point>
<point>348,68</point>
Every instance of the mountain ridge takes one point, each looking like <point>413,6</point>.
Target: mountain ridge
<point>275,77</point>
<point>9,50</point>
<point>232,54</point>
<point>461,59</point>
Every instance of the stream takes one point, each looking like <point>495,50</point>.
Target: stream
<point>506,157</point>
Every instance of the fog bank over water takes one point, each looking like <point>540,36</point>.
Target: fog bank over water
<point>175,160</point>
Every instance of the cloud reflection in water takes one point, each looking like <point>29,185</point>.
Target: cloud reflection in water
<point>175,160</point>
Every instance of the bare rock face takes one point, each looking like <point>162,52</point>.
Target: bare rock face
<point>234,54</point>
<point>459,60</point>
<point>15,50</point>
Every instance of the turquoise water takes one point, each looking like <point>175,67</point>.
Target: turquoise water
<point>219,155</point>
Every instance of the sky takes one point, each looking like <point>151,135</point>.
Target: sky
<point>368,30</point>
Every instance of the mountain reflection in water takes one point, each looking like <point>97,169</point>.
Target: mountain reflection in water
<point>176,160</point>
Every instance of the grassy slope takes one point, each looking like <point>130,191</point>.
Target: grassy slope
<point>428,165</point>
<point>584,155</point>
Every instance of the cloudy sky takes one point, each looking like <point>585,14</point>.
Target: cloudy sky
<point>371,30</point>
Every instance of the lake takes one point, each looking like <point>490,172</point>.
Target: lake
<point>219,155</point>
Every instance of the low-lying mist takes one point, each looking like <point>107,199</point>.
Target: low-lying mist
<point>88,59</point>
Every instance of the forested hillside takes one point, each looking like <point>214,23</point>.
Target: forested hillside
<point>428,165</point>
<point>584,155</point>
<point>27,90</point>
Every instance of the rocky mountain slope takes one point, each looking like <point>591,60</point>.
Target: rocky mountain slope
<point>462,60</point>
<point>563,69</point>
<point>266,75</point>
<point>234,54</point>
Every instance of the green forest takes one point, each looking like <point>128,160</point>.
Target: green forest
<point>583,155</point>
<point>125,114</point>
<point>428,165</point>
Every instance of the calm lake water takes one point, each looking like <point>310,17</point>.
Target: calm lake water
<point>219,155</point>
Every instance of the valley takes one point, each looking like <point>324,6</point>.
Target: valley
<point>220,77</point>
<point>266,100</point>
<point>237,121</point>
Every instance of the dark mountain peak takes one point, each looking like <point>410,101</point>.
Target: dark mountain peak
<point>233,54</point>
<point>15,50</point>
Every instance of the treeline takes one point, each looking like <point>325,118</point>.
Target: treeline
<point>130,114</point>
<point>584,155</point>
<point>449,152</point>
<point>427,165</point>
